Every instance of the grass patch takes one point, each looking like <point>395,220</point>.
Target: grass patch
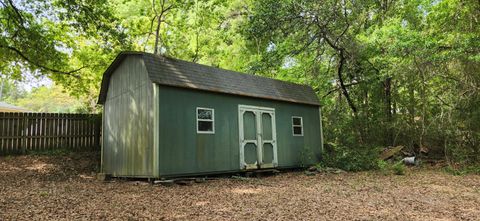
<point>399,168</point>
<point>388,168</point>
<point>463,170</point>
<point>43,193</point>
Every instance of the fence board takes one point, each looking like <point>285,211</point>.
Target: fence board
<point>2,131</point>
<point>24,132</point>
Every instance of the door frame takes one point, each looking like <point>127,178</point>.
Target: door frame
<point>258,111</point>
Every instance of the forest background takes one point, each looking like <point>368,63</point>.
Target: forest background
<point>387,72</point>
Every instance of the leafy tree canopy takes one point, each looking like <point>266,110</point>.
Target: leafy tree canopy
<point>68,41</point>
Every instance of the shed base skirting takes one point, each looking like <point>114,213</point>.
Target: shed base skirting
<point>215,173</point>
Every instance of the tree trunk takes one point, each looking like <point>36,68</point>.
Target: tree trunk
<point>387,86</point>
<point>342,84</point>
<point>1,88</point>
<point>157,35</point>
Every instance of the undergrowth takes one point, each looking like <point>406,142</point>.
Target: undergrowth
<point>351,159</point>
<point>359,159</point>
<point>463,170</point>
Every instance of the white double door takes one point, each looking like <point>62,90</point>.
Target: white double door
<point>258,143</point>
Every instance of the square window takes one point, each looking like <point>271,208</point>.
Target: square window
<point>297,130</point>
<point>297,126</point>
<point>205,114</point>
<point>297,121</point>
<point>205,120</point>
<point>205,126</point>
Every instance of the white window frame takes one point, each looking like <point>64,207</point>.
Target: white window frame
<point>301,126</point>
<point>206,120</point>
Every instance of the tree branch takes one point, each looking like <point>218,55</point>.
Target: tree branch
<point>20,17</point>
<point>341,53</point>
<point>19,53</point>
<point>197,33</point>
<point>338,88</point>
<point>342,85</point>
<point>149,33</point>
<point>312,39</point>
<point>159,22</point>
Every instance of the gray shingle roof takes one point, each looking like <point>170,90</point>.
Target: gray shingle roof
<point>178,73</point>
<point>9,107</point>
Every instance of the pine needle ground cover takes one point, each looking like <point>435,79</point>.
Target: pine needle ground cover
<point>63,187</point>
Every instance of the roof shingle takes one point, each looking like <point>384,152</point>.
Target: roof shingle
<point>178,73</point>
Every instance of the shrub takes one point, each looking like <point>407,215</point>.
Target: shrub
<point>351,159</point>
<point>388,168</point>
<point>472,169</point>
<point>399,168</point>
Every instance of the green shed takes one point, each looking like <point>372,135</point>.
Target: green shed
<point>164,117</point>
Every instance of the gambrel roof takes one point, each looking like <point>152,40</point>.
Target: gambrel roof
<point>178,73</point>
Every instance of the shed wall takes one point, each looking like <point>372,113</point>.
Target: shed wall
<point>182,151</point>
<point>128,121</point>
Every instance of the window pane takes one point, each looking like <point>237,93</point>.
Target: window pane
<point>249,126</point>
<point>205,126</point>
<point>297,121</point>
<point>297,130</point>
<point>267,126</point>
<point>204,114</point>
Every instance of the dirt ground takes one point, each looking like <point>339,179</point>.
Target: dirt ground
<point>64,188</point>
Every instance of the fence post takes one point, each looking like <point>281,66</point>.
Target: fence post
<point>24,133</point>
<point>98,127</point>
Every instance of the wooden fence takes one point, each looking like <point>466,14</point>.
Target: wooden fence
<point>23,132</point>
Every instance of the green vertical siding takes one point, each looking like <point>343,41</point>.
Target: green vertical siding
<point>128,124</point>
<point>182,151</point>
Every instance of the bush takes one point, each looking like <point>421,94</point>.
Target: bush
<point>388,168</point>
<point>351,159</point>
<point>472,169</point>
<point>399,168</point>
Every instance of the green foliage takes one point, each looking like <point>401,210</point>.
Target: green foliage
<point>202,31</point>
<point>351,158</point>
<point>10,90</point>
<point>383,165</point>
<point>68,41</point>
<point>399,168</point>
<point>463,170</point>
<point>408,78</point>
<point>386,73</point>
<point>387,168</point>
<point>50,99</point>
<point>43,193</point>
